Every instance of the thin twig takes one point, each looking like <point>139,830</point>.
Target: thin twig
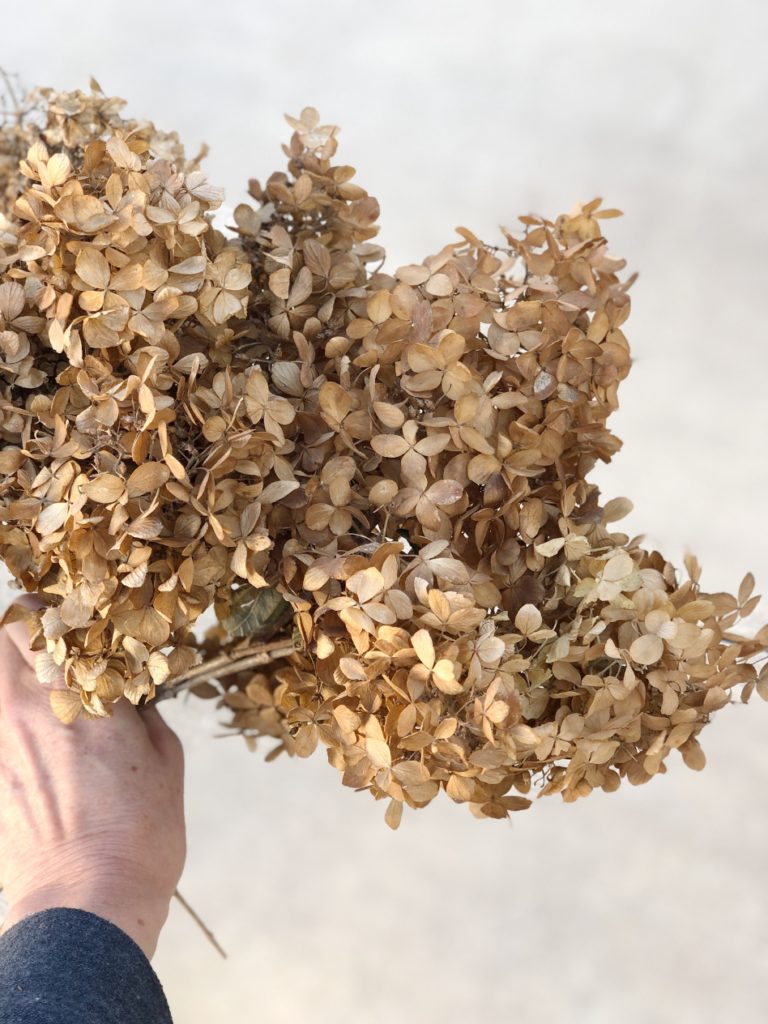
<point>206,931</point>
<point>210,668</point>
<point>9,87</point>
<point>226,665</point>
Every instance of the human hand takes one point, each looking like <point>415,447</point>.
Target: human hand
<point>91,814</point>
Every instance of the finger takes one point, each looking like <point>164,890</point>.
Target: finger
<point>30,601</point>
<point>18,682</point>
<point>18,630</point>
<point>28,677</point>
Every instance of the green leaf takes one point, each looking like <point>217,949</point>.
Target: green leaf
<point>256,612</point>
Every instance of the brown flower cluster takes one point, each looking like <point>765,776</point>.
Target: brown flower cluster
<point>118,304</point>
<point>187,418</point>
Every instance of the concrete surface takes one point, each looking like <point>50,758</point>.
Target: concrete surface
<point>647,906</point>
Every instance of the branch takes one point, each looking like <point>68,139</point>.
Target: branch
<point>7,79</point>
<point>206,931</point>
<point>228,664</point>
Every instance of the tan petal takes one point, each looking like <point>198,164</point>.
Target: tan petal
<point>391,446</point>
<point>378,752</point>
<point>357,619</point>
<point>528,619</point>
<point>444,679</point>
<point>277,490</point>
<point>11,300</point>
<point>59,169</point>
<point>445,492</point>
<point>414,274</point>
<point>551,547</point>
<point>148,477</point>
<point>317,517</point>
<point>433,444</point>
<point>424,357</point>
<point>127,279</point>
<point>281,410</point>
<point>52,518</point>
<point>394,813</point>
<point>105,488</point>
<point>616,508</point>
<point>378,307</point>
<point>66,705</point>
<point>439,284</point>
<point>389,415</point>
<point>120,152</point>
<point>380,613</point>
<point>93,268</point>
<point>617,567</point>
<point>305,741</point>
<point>370,583</point>
<point>382,493</point>
<point>482,467</point>
<point>226,305</point>
<point>47,669</point>
<point>646,649</point>
<point>421,642</point>
<point>335,401</point>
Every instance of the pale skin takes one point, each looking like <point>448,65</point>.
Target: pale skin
<point>91,814</point>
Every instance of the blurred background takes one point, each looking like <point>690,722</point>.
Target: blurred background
<point>648,906</point>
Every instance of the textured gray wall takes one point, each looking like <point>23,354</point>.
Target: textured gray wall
<point>647,906</point>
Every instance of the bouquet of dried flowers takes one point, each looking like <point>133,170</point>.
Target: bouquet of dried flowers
<point>378,481</point>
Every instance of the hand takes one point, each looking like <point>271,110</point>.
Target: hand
<point>91,814</point>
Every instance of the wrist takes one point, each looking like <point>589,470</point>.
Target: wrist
<point>139,916</point>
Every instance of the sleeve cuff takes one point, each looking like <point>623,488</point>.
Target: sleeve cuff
<point>68,965</point>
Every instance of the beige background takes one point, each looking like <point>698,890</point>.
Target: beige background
<point>645,907</point>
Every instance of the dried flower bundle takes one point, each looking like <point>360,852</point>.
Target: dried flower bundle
<point>192,421</point>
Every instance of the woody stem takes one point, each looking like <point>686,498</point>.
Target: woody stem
<point>228,664</point>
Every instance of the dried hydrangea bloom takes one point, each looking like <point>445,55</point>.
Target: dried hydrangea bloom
<point>190,421</point>
<point>133,464</point>
<point>469,621</point>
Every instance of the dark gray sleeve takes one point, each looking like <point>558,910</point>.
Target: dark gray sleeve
<point>67,966</point>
